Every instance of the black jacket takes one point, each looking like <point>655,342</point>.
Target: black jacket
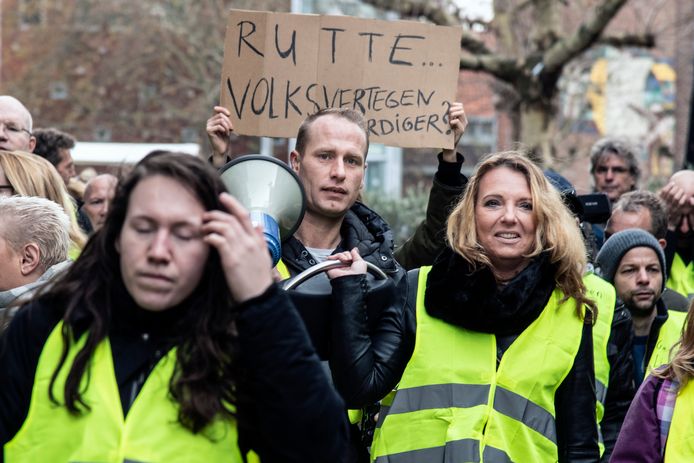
<point>362,228</point>
<point>289,411</point>
<point>620,388</point>
<point>506,313</point>
<point>378,302</point>
<point>323,310</point>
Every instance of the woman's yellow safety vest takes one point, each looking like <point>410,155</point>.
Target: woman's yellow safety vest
<point>681,278</point>
<point>669,335</point>
<point>149,433</point>
<point>680,440</point>
<point>454,404</point>
<point>604,296</point>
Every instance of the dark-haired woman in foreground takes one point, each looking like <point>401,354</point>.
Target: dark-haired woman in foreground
<point>167,341</point>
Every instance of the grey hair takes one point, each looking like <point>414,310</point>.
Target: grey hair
<point>30,219</point>
<point>620,147</point>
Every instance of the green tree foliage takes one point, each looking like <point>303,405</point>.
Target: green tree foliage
<point>402,214</point>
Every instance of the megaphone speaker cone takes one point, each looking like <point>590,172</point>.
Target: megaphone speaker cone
<point>271,191</point>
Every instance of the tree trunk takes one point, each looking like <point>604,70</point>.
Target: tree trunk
<point>536,132</point>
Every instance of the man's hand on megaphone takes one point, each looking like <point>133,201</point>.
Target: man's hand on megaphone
<point>354,264</point>
<point>219,128</point>
<point>242,249</point>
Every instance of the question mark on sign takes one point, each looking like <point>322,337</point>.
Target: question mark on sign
<point>445,116</point>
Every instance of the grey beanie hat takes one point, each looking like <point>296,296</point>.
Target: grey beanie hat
<point>620,243</point>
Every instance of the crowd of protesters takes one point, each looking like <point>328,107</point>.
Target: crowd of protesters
<point>141,318</point>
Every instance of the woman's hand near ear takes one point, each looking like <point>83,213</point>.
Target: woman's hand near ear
<point>242,248</point>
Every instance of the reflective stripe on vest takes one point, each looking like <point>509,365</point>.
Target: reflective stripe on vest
<point>604,296</point>
<point>681,277</point>
<point>669,335</point>
<point>454,404</point>
<point>680,440</point>
<point>150,432</point>
<point>282,269</point>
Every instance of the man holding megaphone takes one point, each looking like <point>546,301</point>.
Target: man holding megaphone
<point>330,161</point>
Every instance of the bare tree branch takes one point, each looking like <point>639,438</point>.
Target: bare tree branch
<point>502,68</point>
<point>471,23</point>
<point>418,8</point>
<point>568,48</point>
<point>629,40</point>
<point>474,45</point>
<point>437,15</point>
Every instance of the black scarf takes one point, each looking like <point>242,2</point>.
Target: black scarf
<point>472,299</point>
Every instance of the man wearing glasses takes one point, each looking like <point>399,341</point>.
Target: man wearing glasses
<point>614,167</point>
<point>15,126</point>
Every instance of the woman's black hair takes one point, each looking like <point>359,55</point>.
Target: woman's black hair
<point>203,382</point>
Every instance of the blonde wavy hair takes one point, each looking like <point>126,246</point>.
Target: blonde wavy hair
<point>557,231</point>
<point>32,175</point>
<point>681,367</point>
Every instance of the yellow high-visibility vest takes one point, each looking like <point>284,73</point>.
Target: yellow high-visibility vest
<point>680,439</point>
<point>454,404</point>
<point>681,278</point>
<point>282,269</point>
<point>604,296</point>
<point>149,433</point>
<point>669,335</point>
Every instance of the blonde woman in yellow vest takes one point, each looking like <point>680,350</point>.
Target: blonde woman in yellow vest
<point>658,426</point>
<point>166,341</point>
<point>500,366</point>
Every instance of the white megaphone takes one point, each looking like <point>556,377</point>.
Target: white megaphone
<point>271,192</point>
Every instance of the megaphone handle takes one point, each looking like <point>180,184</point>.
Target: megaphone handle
<point>323,267</point>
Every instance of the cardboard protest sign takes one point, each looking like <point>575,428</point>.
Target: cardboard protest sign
<point>280,67</point>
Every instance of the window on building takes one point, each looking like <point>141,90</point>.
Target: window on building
<point>31,13</point>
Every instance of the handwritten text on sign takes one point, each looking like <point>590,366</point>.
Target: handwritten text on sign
<point>279,68</point>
